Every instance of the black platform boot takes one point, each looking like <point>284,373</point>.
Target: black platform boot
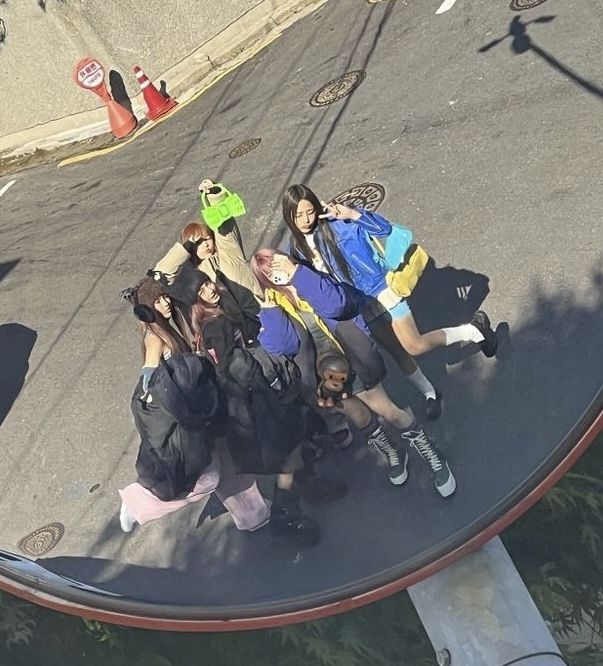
<point>287,520</point>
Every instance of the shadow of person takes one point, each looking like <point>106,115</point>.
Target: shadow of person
<point>163,89</point>
<point>16,342</point>
<point>6,267</point>
<point>118,90</point>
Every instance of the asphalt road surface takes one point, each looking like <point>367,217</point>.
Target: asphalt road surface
<point>484,127</point>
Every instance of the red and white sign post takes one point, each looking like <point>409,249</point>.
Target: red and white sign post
<point>90,75</point>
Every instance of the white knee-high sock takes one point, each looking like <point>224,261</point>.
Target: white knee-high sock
<point>462,333</point>
<point>421,382</point>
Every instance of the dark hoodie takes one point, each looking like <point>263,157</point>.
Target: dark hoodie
<point>177,425</point>
<point>264,425</point>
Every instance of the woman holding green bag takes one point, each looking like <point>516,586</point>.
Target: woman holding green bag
<point>219,254</point>
<point>217,249</point>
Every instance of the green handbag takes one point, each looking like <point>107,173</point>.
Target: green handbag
<point>231,205</point>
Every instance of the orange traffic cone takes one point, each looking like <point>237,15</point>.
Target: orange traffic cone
<point>90,75</point>
<point>121,121</point>
<point>157,104</point>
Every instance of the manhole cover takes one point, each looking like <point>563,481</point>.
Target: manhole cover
<point>337,88</point>
<point>520,5</point>
<point>366,195</point>
<point>244,148</point>
<point>42,540</point>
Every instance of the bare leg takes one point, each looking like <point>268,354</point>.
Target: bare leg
<point>414,342</point>
<point>383,331</point>
<point>414,436</point>
<point>284,481</point>
<point>363,417</point>
<point>294,462</point>
<point>378,400</point>
<point>356,411</point>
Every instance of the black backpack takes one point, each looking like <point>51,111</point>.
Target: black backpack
<point>281,373</point>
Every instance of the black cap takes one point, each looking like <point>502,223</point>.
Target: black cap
<point>187,283</point>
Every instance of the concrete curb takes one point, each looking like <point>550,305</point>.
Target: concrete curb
<point>184,78</point>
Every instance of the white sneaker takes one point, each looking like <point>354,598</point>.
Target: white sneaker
<point>126,519</point>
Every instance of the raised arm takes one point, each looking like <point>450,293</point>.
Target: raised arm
<point>171,263</point>
<point>373,223</point>
<point>231,257</point>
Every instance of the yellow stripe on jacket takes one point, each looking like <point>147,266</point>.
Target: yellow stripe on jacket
<point>285,304</point>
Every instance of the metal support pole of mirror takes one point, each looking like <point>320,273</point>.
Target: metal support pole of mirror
<point>478,612</point>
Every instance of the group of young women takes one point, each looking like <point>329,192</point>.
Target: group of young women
<point>255,368</point>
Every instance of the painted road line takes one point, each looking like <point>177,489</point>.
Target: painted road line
<point>7,187</point>
<point>445,6</point>
<point>181,105</point>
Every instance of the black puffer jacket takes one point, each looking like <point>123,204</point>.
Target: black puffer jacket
<point>176,420</point>
<point>262,428</point>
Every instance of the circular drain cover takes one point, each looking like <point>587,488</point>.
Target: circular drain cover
<point>42,540</point>
<point>366,195</point>
<point>244,148</point>
<point>337,88</point>
<point>520,5</point>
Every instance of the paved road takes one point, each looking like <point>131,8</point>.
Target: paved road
<point>493,158</point>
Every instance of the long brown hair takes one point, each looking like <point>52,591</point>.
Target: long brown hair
<point>201,314</point>
<point>149,290</point>
<point>290,200</point>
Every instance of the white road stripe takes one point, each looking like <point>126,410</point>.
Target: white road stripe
<point>445,6</point>
<point>7,186</point>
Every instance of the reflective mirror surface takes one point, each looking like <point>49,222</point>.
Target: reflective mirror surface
<point>489,157</point>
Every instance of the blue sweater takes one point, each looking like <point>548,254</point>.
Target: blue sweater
<point>331,301</point>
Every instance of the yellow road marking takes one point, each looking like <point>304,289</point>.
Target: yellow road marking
<point>181,105</point>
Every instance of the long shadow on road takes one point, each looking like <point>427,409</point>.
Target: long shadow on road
<point>521,42</point>
<point>333,123</point>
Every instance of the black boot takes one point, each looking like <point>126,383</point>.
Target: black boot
<point>314,487</point>
<point>489,344</point>
<point>287,520</point>
<point>418,440</point>
<point>397,461</point>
